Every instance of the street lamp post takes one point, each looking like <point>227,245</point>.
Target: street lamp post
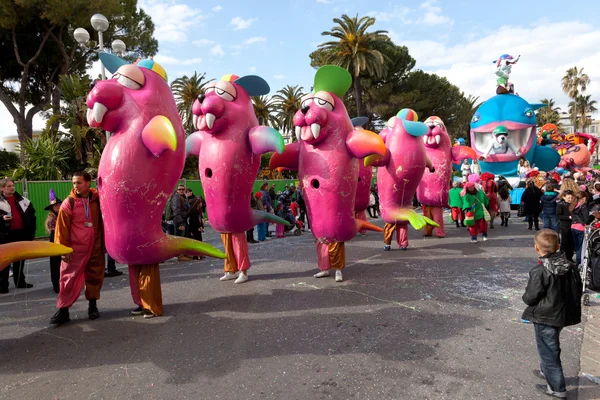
<point>100,24</point>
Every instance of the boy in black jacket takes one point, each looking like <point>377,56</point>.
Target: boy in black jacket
<point>553,296</point>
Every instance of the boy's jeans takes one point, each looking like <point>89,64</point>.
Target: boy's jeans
<point>548,347</point>
<point>550,222</point>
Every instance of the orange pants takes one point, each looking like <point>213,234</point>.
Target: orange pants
<point>236,249</point>
<point>144,281</point>
<point>437,215</point>
<point>401,234</point>
<point>332,255</point>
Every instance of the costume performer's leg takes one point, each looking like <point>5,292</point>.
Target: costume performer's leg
<point>323,258</point>
<point>279,230</point>
<point>149,288</point>
<point>428,212</point>
<point>402,235</point>
<point>337,255</point>
<point>388,233</point>
<point>133,284</point>
<point>438,217</point>
<point>72,277</point>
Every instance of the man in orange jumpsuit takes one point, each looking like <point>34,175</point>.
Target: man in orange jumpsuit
<point>79,226</point>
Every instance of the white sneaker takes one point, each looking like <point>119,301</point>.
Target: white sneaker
<point>485,238</point>
<point>228,276</point>
<point>338,276</point>
<point>321,274</point>
<point>242,278</point>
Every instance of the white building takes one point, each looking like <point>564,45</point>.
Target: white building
<point>11,142</point>
<point>593,128</point>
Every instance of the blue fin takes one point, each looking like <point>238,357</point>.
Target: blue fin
<point>545,158</point>
<point>262,216</point>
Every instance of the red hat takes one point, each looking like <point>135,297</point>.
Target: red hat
<point>258,195</point>
<point>486,176</point>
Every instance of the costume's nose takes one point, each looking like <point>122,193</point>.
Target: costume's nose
<point>305,109</point>
<point>201,98</point>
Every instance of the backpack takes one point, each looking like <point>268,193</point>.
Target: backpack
<point>168,211</point>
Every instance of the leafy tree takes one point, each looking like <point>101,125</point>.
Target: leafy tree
<point>190,170</point>
<point>575,83</point>
<point>9,161</point>
<point>186,90</point>
<point>37,45</point>
<point>356,50</point>
<point>549,114</point>
<point>44,159</point>
<point>461,127</point>
<point>264,108</point>
<point>287,102</point>
<point>581,107</point>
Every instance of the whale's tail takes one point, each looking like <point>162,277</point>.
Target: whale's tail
<point>365,225</point>
<point>416,220</point>
<point>16,251</point>
<point>262,216</point>
<point>176,245</point>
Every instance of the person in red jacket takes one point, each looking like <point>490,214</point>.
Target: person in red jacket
<point>490,187</point>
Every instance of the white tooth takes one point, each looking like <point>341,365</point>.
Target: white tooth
<point>210,120</point>
<point>195,121</point>
<point>316,129</point>
<point>437,139</point>
<point>391,122</point>
<point>89,115</point>
<point>99,111</point>
<point>425,138</point>
<point>298,130</point>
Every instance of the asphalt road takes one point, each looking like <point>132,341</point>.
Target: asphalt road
<point>440,321</point>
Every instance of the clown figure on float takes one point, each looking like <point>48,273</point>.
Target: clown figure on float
<point>326,157</point>
<point>229,143</point>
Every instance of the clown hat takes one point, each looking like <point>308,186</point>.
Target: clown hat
<point>53,200</point>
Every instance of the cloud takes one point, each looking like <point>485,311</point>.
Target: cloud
<point>164,59</point>
<point>433,14</point>
<point>202,42</point>
<point>235,53</point>
<point>173,20</point>
<point>217,51</point>
<point>279,76</point>
<point>252,69</point>
<point>255,39</point>
<point>547,51</point>
<point>217,9</point>
<point>324,1</point>
<point>396,14</point>
<point>241,23</point>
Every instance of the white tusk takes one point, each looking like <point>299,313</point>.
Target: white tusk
<point>210,120</point>
<point>425,139</point>
<point>89,116</point>
<point>195,121</point>
<point>437,139</point>
<point>298,129</point>
<point>99,111</point>
<point>315,129</point>
<point>391,122</point>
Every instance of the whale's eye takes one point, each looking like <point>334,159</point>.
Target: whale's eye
<point>475,118</point>
<point>529,113</point>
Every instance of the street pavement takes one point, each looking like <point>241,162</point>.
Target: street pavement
<point>439,321</point>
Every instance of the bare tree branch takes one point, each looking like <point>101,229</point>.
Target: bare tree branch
<point>6,100</point>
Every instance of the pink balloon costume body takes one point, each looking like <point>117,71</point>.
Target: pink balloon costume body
<point>229,143</point>
<point>433,189</point>
<point>399,174</point>
<point>363,187</point>
<point>139,168</point>
<point>326,157</point>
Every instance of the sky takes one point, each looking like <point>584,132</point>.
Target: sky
<point>458,39</point>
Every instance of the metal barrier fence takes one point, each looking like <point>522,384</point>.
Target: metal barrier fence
<point>38,193</point>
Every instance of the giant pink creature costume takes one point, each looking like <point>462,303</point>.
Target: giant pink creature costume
<point>363,187</point>
<point>432,191</point>
<point>229,143</point>
<point>140,165</point>
<point>399,174</point>
<point>326,157</point>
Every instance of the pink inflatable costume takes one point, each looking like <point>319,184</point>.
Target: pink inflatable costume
<point>229,143</point>
<point>433,189</point>
<point>399,174</point>
<point>141,162</point>
<point>326,157</point>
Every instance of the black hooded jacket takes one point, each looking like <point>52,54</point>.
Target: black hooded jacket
<point>553,292</point>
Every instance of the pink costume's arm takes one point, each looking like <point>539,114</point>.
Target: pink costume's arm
<point>264,139</point>
<point>460,153</point>
<point>17,251</point>
<point>361,143</point>
<point>192,144</point>
<point>159,135</point>
<point>288,159</point>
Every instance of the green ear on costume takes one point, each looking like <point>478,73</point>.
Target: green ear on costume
<point>334,79</point>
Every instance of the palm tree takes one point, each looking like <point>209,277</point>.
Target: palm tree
<point>287,103</point>
<point>264,108</point>
<point>585,106</point>
<point>549,114</point>
<point>466,110</point>
<point>355,50</point>
<point>575,82</point>
<point>186,90</point>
